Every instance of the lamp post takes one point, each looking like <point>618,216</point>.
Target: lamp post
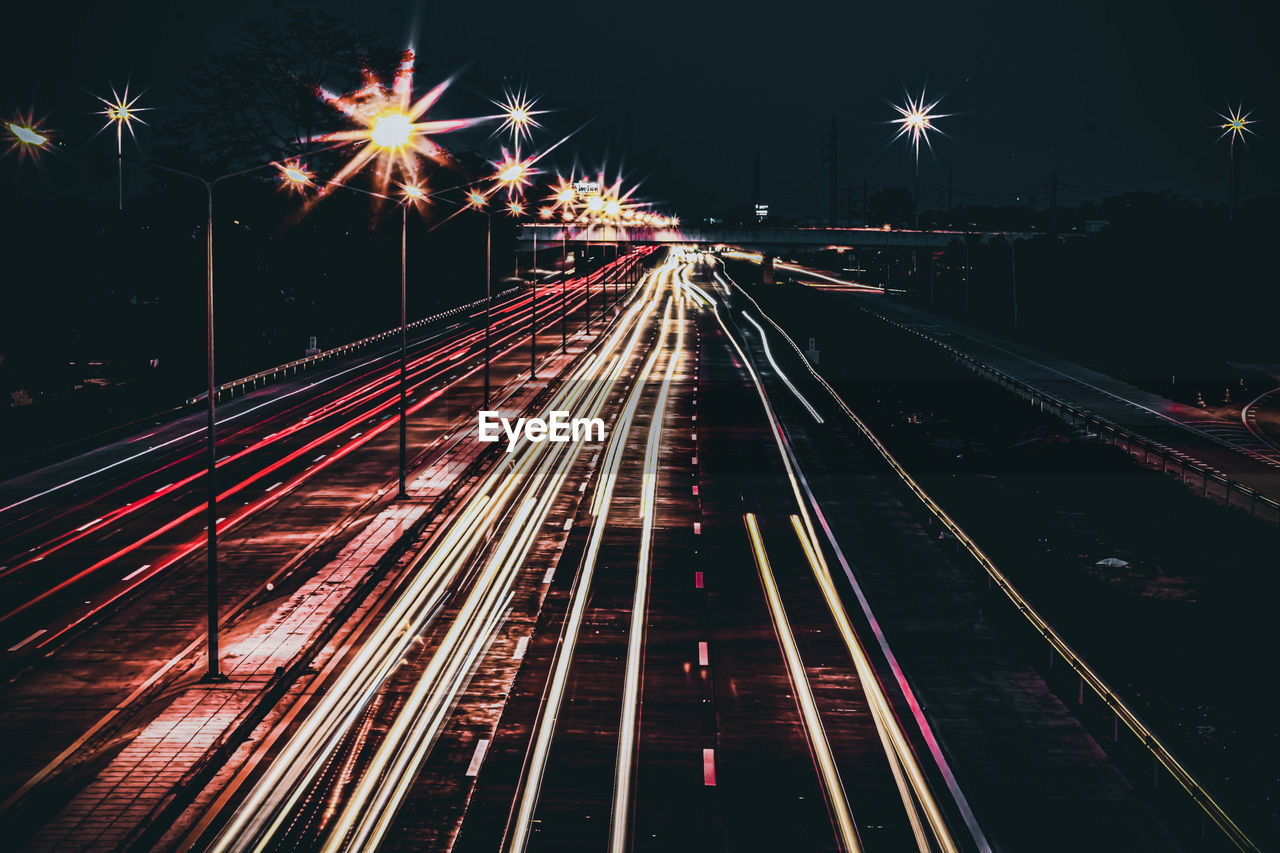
<point>915,122</point>
<point>413,194</point>
<point>478,200</point>
<point>213,672</point>
<point>1235,125</point>
<point>122,112</point>
<point>515,209</point>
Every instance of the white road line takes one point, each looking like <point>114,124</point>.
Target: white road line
<point>27,640</point>
<point>477,757</point>
<point>133,574</point>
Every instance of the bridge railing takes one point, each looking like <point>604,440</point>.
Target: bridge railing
<point>244,384</point>
<point>1211,484</point>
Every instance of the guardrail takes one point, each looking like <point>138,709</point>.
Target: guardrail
<point>1121,713</point>
<point>247,383</point>
<point>1214,485</point>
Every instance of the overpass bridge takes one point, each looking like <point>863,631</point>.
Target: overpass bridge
<point>770,238</point>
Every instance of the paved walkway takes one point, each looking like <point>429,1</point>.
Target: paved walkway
<point>139,779</point>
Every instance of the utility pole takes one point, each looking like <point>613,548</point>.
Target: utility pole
<point>829,151</point>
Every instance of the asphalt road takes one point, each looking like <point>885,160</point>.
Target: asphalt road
<point>673,640</point>
<point>648,648</point>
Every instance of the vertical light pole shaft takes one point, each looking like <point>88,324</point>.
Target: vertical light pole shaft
<point>488,295</point>
<point>404,342</point>
<point>586,277</point>
<point>533,312</point>
<point>564,298</point>
<point>119,166</point>
<point>214,672</point>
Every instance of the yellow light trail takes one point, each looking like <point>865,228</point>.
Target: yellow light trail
<point>521,825</point>
<point>832,785</point>
<point>520,489</point>
<point>621,819</point>
<point>913,787</point>
<point>1132,721</point>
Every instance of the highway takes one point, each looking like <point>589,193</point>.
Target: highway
<point>667,678</point>
<point>652,642</point>
<point>80,535</point>
<point>103,619</point>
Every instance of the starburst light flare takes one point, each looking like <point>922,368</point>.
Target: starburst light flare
<point>518,115</point>
<point>392,126</point>
<point>26,136</point>
<point>917,121</point>
<point>1235,124</point>
<point>121,111</point>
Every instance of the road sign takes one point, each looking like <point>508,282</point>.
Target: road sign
<point>587,188</point>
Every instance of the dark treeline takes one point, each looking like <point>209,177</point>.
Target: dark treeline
<point>103,314</point>
<point>1160,290</point>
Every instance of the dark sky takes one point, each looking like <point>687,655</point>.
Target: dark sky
<point>1113,96</point>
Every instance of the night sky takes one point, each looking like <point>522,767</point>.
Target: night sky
<point>1113,96</point>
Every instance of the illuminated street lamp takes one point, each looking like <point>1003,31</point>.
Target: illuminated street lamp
<point>213,672</point>
<point>518,115</point>
<point>1235,124</point>
<point>915,123</point>
<point>121,111</point>
<point>391,126</point>
<point>515,209</point>
<point>26,137</point>
<point>564,196</point>
<point>411,195</point>
<point>480,201</point>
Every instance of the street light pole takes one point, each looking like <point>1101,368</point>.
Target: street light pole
<point>488,296</point>
<point>533,315</point>
<point>404,342</point>
<point>213,673</point>
<point>564,298</point>
<point>586,276</point>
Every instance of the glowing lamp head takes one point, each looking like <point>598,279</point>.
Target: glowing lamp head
<point>611,207</point>
<point>296,176</point>
<point>413,192</point>
<point>476,199</point>
<point>595,204</point>
<point>544,213</point>
<point>391,130</point>
<point>27,135</point>
<point>565,196</point>
<point>515,208</point>
<point>511,174</point>
<point>120,113</point>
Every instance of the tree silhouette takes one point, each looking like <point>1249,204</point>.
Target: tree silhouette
<point>259,100</point>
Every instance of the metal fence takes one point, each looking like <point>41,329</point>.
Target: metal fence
<point>1210,483</point>
<point>227,390</point>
